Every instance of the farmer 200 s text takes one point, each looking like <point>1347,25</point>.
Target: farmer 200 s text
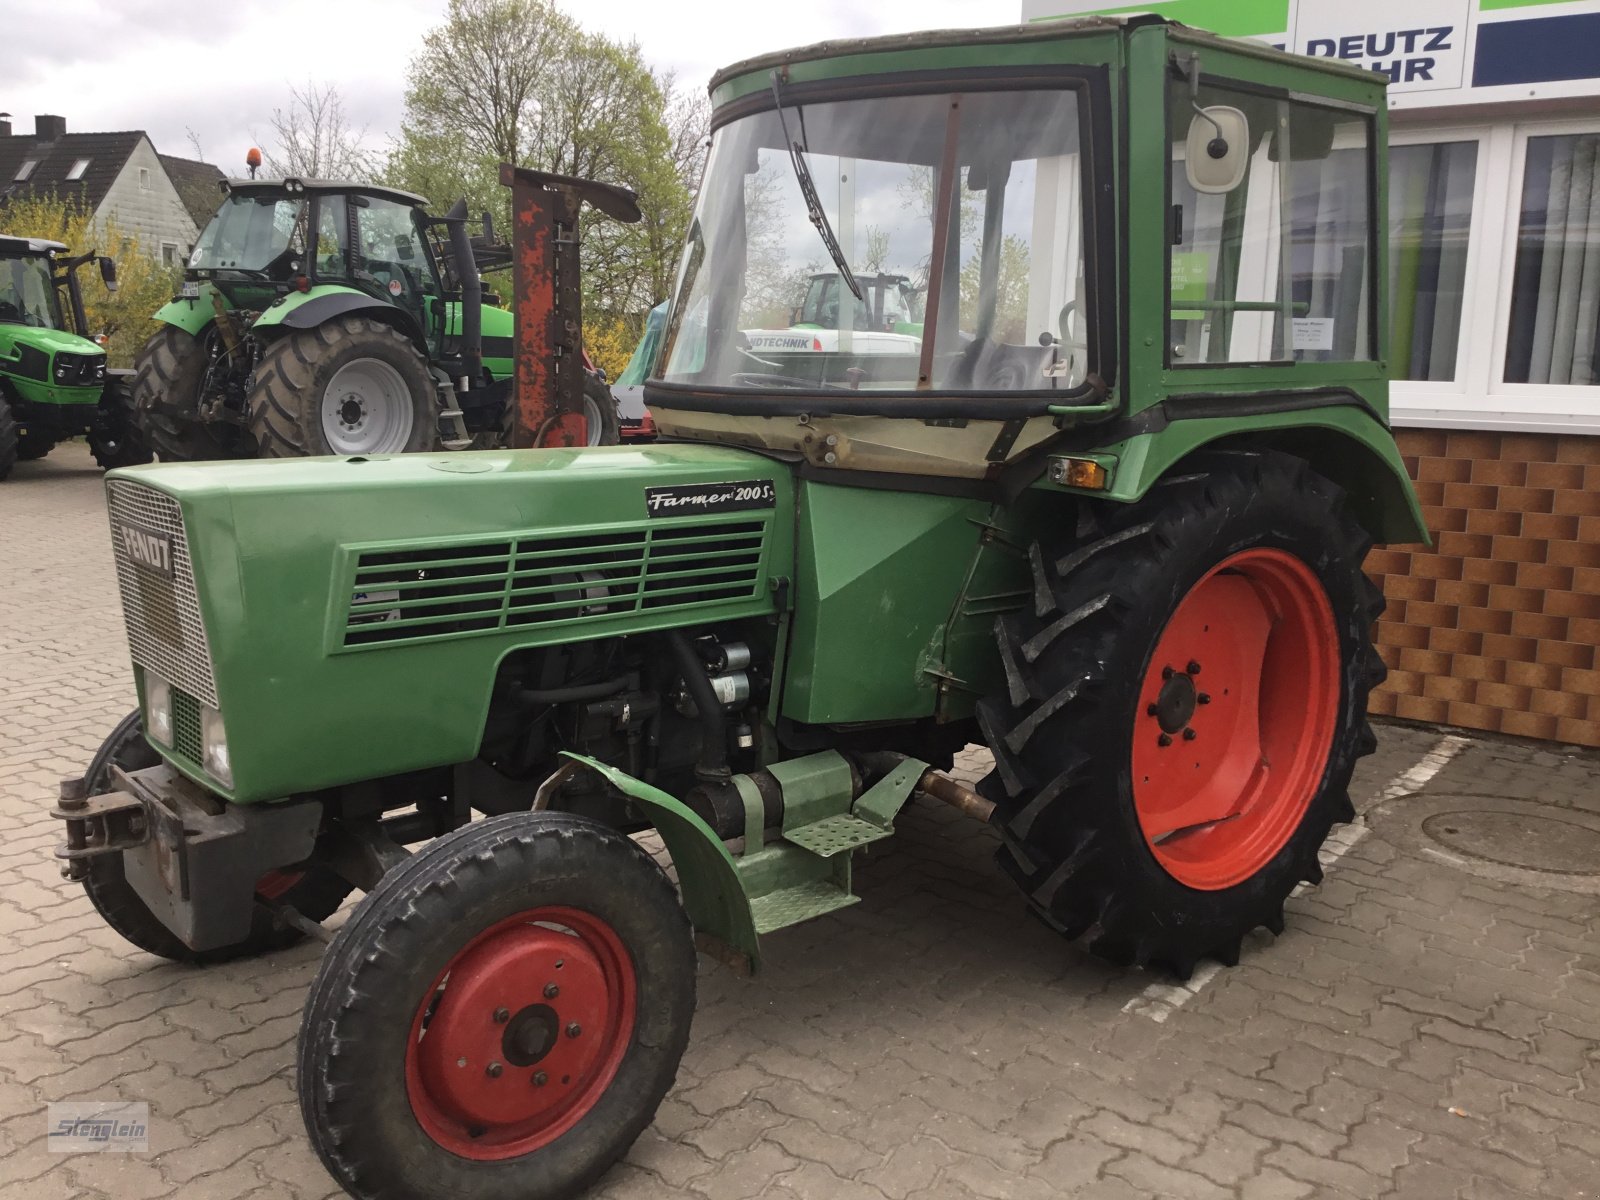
<point>1108,519</point>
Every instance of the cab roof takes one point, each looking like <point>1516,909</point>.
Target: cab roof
<point>257,187</point>
<point>26,245</point>
<point>1033,31</point>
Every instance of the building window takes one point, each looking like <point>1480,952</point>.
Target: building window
<point>144,178</point>
<point>78,168</point>
<point>169,254</point>
<point>1555,284</point>
<point>26,169</point>
<point>1430,217</point>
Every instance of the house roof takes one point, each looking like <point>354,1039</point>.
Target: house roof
<point>198,185</point>
<point>107,154</point>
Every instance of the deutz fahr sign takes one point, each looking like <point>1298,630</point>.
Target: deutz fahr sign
<point>1421,45</point>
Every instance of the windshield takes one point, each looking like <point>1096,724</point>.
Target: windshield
<point>251,233</point>
<point>760,303</point>
<point>27,293</point>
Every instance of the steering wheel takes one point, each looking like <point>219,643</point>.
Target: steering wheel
<point>760,379</point>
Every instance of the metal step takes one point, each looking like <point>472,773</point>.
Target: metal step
<point>790,906</point>
<point>836,835</point>
<point>456,443</point>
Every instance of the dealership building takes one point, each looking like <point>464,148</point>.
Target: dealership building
<point>1494,285</point>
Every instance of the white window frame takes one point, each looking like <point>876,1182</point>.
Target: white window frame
<point>1479,397</point>
<point>177,258</point>
<point>79,166</point>
<point>144,178</point>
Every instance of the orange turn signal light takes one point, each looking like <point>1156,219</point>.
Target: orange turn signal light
<point>1082,473</point>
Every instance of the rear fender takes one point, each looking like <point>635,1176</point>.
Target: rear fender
<point>191,315</point>
<point>324,303</point>
<point>1344,444</point>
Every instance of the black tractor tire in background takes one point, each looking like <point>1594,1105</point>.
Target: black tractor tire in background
<point>598,401</point>
<point>167,376</point>
<point>295,371</point>
<point>8,438</point>
<point>1088,699</point>
<point>316,894</point>
<point>533,917</point>
<point>115,439</point>
<point>31,447</point>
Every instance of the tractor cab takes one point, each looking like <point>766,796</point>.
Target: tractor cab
<point>271,237</point>
<point>890,304</point>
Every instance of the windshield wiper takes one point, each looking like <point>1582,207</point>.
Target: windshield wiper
<point>808,191</point>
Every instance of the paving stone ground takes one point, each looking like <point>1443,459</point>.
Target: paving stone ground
<point>1418,1031</point>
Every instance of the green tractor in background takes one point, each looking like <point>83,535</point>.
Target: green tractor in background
<point>54,383</point>
<point>322,317</point>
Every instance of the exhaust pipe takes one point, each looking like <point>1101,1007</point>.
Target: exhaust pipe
<point>471,288</point>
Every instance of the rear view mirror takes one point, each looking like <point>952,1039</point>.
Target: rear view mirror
<point>1218,149</point>
<point>108,273</point>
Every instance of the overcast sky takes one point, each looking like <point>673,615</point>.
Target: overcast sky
<point>219,68</point>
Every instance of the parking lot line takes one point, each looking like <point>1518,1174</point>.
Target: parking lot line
<point>1159,1001</point>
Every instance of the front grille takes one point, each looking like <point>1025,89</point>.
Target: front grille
<point>165,632</point>
<point>79,370</point>
<point>186,736</point>
<point>545,579</point>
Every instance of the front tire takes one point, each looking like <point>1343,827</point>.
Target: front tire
<point>600,412</point>
<point>501,1017</point>
<point>115,440</point>
<point>315,892</point>
<point>350,386</point>
<point>1186,701</point>
<point>8,438</point>
<point>168,374</point>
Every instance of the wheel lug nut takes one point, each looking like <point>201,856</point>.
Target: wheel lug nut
<point>1203,698</point>
<point>574,1029</point>
<point>1193,668</point>
<point>1164,740</point>
<point>1167,672</point>
<point>1151,711</point>
<point>493,1070</point>
<point>502,1015</point>
<point>1188,735</point>
<point>551,991</point>
<point>540,1079</point>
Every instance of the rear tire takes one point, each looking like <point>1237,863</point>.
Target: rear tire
<point>316,894</point>
<point>167,377</point>
<point>455,956</point>
<point>352,385</point>
<point>1109,716</point>
<point>8,438</point>
<point>115,440</point>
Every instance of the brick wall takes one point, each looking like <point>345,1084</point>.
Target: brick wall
<point>1496,627</point>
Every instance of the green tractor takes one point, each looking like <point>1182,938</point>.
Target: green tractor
<point>460,683</point>
<point>54,384</point>
<point>323,317</point>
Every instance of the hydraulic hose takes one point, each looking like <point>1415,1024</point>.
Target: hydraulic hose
<point>713,761</point>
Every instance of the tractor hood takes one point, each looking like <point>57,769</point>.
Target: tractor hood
<point>48,340</point>
<point>52,366</point>
<point>346,615</point>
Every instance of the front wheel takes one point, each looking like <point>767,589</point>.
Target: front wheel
<point>114,438</point>
<point>350,386</point>
<point>501,1017</point>
<point>8,438</point>
<point>1186,701</point>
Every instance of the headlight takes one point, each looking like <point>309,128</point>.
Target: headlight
<point>214,744</point>
<point>157,709</point>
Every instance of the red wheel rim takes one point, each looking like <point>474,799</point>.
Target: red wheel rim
<point>1236,717</point>
<point>274,884</point>
<point>521,1033</point>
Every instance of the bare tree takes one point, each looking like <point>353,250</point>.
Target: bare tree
<point>314,138</point>
<point>194,144</point>
<point>688,118</point>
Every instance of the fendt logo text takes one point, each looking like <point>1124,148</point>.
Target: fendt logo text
<point>152,551</point>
